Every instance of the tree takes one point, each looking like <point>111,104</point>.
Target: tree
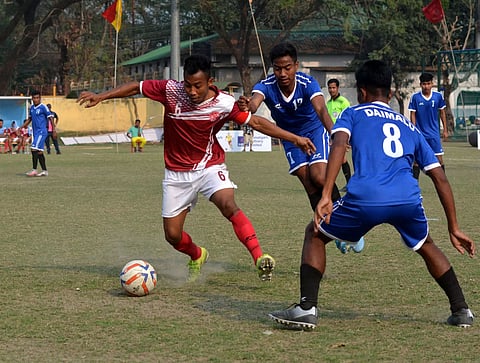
<point>455,35</point>
<point>232,21</point>
<point>387,30</point>
<point>25,21</point>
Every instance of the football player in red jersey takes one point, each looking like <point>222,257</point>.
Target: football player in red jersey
<point>195,111</point>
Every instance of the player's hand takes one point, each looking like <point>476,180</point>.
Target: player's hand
<point>445,135</point>
<point>90,99</point>
<point>54,134</point>
<point>462,243</point>
<point>322,212</point>
<point>243,103</point>
<point>306,145</point>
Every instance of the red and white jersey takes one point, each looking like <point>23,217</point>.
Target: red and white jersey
<point>23,131</point>
<point>190,129</point>
<point>12,132</point>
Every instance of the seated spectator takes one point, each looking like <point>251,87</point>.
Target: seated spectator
<point>25,140</point>
<point>13,137</point>
<point>3,137</point>
<point>135,133</point>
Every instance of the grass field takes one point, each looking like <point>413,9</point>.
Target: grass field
<point>65,238</point>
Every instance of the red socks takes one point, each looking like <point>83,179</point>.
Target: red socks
<point>243,229</point>
<point>246,234</point>
<point>187,246</point>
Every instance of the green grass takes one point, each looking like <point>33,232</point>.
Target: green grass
<point>65,238</point>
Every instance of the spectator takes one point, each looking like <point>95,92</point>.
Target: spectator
<point>335,105</point>
<point>25,139</point>
<point>135,134</point>
<point>3,136</point>
<point>247,137</point>
<point>13,137</point>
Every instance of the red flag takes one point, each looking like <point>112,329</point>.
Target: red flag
<point>113,14</point>
<point>434,12</point>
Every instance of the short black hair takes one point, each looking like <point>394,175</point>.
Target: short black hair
<point>196,63</point>
<point>282,50</point>
<point>35,93</point>
<point>49,105</point>
<point>374,75</point>
<point>426,77</point>
<point>333,80</point>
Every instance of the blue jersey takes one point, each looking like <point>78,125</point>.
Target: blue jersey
<point>384,146</point>
<point>40,115</point>
<point>426,113</point>
<point>295,113</point>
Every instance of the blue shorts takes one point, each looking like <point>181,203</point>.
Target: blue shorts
<point>38,141</point>
<point>350,221</point>
<point>297,158</point>
<point>436,145</point>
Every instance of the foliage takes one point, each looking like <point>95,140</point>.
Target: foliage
<point>46,42</point>
<point>234,20</point>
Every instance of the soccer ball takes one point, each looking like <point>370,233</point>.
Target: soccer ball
<point>138,278</point>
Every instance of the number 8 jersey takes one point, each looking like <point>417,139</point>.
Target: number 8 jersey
<point>384,146</point>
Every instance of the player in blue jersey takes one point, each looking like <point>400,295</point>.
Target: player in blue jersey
<point>38,117</point>
<point>297,104</point>
<point>382,190</point>
<point>425,107</point>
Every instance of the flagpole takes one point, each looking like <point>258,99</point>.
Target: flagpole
<point>113,14</point>
<point>114,86</point>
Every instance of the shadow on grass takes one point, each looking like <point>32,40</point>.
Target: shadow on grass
<point>231,308</point>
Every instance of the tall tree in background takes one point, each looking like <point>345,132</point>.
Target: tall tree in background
<point>232,21</point>
<point>455,32</point>
<point>23,24</point>
<point>389,30</point>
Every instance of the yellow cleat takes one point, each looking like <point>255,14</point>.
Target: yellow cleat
<point>194,266</point>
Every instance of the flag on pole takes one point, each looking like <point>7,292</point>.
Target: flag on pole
<point>113,14</point>
<point>434,12</point>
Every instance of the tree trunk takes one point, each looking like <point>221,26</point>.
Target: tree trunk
<point>447,91</point>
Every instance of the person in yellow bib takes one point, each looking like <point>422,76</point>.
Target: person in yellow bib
<point>335,105</point>
<point>135,134</point>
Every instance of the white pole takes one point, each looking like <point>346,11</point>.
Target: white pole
<point>175,42</point>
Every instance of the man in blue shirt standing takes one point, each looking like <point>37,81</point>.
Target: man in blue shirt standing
<point>425,107</point>
<point>38,117</point>
<point>382,190</point>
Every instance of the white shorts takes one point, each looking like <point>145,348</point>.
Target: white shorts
<point>181,188</point>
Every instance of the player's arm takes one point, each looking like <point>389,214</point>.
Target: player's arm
<point>266,127</point>
<point>250,103</point>
<point>413,117</point>
<point>443,118</point>
<point>52,121</point>
<point>91,99</point>
<point>335,160</point>
<point>27,122</point>
<point>459,240</point>
<point>318,103</point>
